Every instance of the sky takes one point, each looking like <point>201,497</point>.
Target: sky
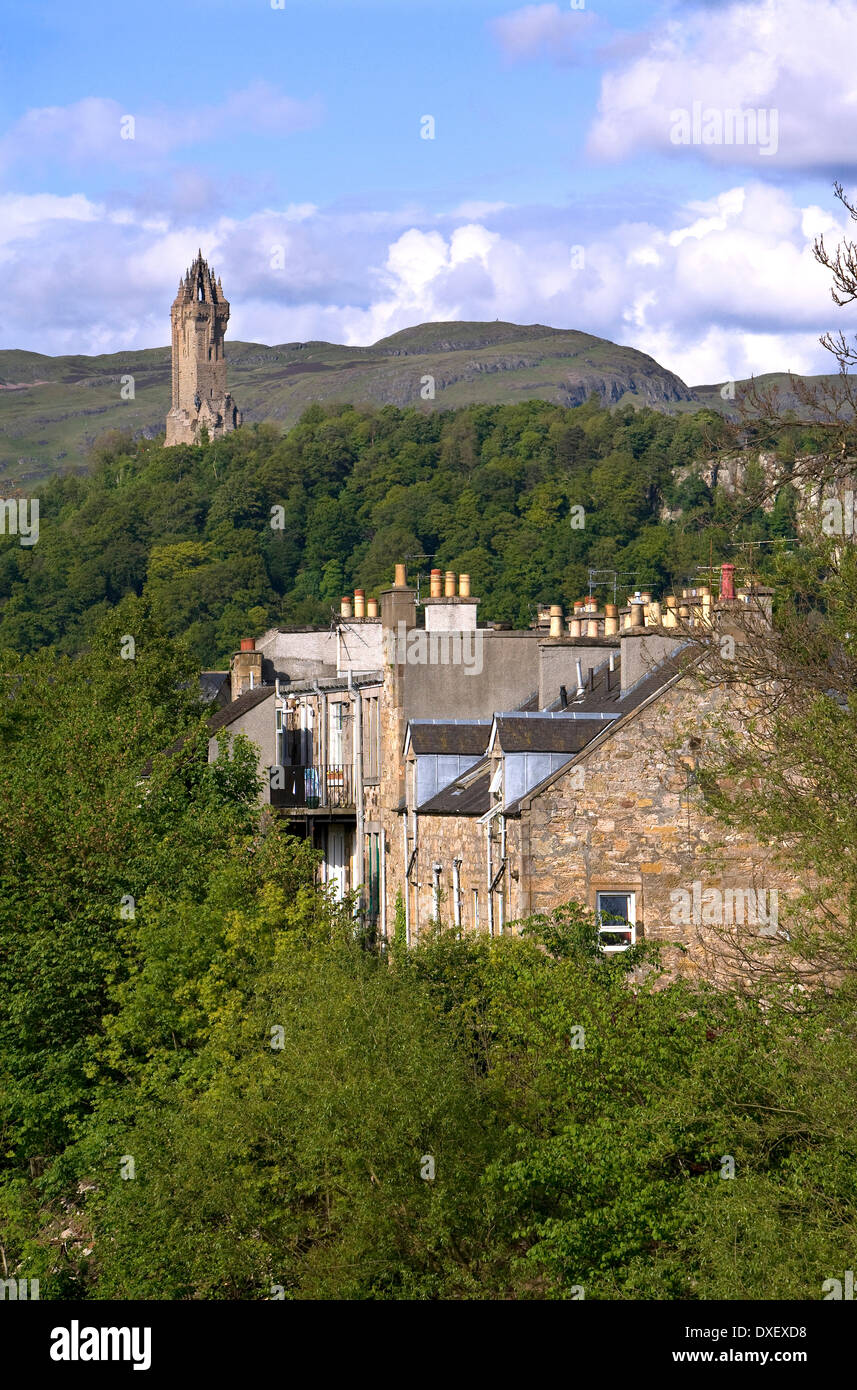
<point>353,167</point>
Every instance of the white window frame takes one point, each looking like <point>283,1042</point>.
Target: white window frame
<point>632,917</point>
<point>336,733</point>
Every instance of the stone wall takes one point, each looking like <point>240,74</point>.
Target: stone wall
<point>628,816</point>
<point>443,839</point>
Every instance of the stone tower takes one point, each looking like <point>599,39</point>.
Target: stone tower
<point>199,317</point>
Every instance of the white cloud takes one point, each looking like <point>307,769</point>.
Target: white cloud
<point>722,288</point>
<point>23,215</point>
<point>91,130</point>
<point>543,31</point>
<point>788,57</point>
<point>474,210</point>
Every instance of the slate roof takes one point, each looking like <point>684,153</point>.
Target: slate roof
<point>559,733</point>
<point>604,687</point>
<point>469,794</point>
<point>221,720</point>
<point>211,685</point>
<point>249,700</point>
<point>468,737</point>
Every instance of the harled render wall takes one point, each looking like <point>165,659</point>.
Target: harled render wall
<point>259,725</point>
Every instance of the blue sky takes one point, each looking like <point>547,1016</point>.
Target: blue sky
<point>286,142</point>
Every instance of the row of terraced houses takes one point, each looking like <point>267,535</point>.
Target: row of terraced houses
<point>479,774</point>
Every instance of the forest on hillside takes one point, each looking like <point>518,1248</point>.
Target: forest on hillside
<point>214,1085</point>
<point>487,490</point>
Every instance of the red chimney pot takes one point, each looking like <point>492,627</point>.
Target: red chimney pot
<point>727,582</point>
<point>248,644</point>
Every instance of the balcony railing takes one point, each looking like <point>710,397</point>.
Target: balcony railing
<point>315,788</point>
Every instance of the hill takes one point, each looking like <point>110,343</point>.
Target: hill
<point>781,383</point>
<point>52,409</point>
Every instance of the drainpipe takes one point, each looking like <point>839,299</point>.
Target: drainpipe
<point>411,781</point>
<point>382,888</point>
<point>456,892</point>
<point>435,893</point>
<point>407,884</point>
<point>417,884</point>
<point>489,879</point>
<point>357,752</point>
<point>322,742</point>
<point>501,903</point>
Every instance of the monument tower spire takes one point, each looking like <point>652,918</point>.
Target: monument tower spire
<point>199,317</point>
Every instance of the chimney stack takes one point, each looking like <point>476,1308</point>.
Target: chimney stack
<point>245,671</point>
<point>727,583</point>
<point>446,611</point>
<point>398,604</point>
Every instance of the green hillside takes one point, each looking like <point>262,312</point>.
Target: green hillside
<point>52,409</point>
<point>486,489</point>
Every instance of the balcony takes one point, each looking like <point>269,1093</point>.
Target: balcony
<point>327,788</point>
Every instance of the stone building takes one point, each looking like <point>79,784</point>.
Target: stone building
<point>484,774</point>
<point>199,317</point>
<point>598,803</point>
